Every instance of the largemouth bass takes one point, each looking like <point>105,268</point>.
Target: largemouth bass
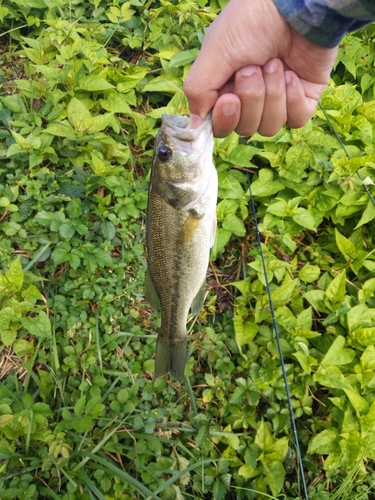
<point>181,226</point>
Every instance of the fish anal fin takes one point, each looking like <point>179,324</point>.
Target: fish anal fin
<point>151,292</point>
<point>171,358</point>
<point>197,304</point>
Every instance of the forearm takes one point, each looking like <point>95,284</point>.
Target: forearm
<point>325,22</point>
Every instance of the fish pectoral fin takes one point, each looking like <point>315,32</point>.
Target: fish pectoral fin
<point>188,229</point>
<point>213,231</point>
<point>151,292</point>
<point>197,304</point>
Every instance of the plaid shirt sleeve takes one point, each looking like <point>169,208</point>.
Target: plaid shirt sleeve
<point>325,22</point>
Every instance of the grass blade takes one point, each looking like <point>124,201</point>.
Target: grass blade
<point>124,476</point>
<point>91,486</point>
<point>36,257</point>
<point>181,473</point>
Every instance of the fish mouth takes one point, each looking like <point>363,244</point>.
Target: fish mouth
<point>178,127</point>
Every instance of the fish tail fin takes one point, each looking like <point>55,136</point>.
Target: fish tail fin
<point>170,358</point>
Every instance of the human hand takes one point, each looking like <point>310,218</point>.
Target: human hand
<point>256,72</point>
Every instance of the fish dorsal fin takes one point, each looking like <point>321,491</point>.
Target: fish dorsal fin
<point>151,292</point>
<point>198,301</point>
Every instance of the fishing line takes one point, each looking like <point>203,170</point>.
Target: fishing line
<point>345,151</point>
<point>276,330</point>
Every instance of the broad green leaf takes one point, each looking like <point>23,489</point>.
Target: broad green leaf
<point>14,276</point>
<point>61,129</point>
<point>94,83</point>
<point>226,207</point>
<point>345,246</point>
<point>67,230</point>
<point>275,474</point>
<point>365,336</point>
<point>359,317</point>
<point>102,257</point>
<point>286,318</point>
<point>242,155</point>
<point>108,230</point>
<point>4,202</point>
<point>358,402</point>
<point>183,58</point>
<point>335,292</point>
<point>298,159</point>
<point>280,449</point>
<point>163,84</point>
<point>368,357</point>
<point>245,331</point>
<point>115,102</point>
<point>40,325</point>
<point>265,185</point>
<point>78,115</point>
<point>309,273</point>
<point>242,286</point>
<point>303,360</point>
<point>80,406</point>
<point>283,293</point>
<point>305,219</point>
<point>60,255</point>
<point>6,316</point>
<point>20,140</point>
<point>316,299</point>
<point>98,165</point>
<point>32,293</point>
<point>82,424</point>
<point>234,224</point>
<point>167,51</point>
<point>247,472</point>
<point>8,336</point>
<point>305,319</point>
<point>5,420</point>
<point>331,376</point>
<point>337,355</point>
<point>368,289</point>
<point>220,489</point>
<point>117,16</point>
<point>100,122</point>
<point>367,216</point>
<point>325,442</point>
<point>279,208</point>
<point>263,438</point>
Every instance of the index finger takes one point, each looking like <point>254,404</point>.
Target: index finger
<point>202,88</point>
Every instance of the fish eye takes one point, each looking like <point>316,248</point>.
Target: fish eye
<point>164,153</point>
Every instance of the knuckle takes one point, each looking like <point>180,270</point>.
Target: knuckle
<point>251,94</point>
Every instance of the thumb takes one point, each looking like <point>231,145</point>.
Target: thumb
<point>200,95</point>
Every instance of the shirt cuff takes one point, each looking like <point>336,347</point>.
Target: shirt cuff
<point>320,24</point>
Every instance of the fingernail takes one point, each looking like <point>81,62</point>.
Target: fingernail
<point>248,70</point>
<point>195,120</point>
<point>270,66</point>
<point>228,108</point>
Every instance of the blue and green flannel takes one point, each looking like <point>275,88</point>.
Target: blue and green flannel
<point>325,22</point>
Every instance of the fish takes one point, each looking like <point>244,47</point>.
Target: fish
<point>180,231</point>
